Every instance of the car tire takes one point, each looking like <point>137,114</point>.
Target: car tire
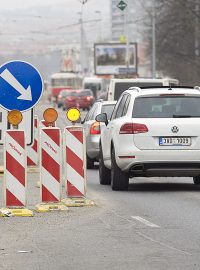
<point>119,179</point>
<point>196,180</point>
<point>104,173</point>
<point>90,163</point>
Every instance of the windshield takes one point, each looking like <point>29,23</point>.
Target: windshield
<point>63,93</point>
<point>67,82</point>
<point>108,109</point>
<point>71,94</point>
<point>120,87</point>
<point>85,93</point>
<point>166,107</point>
<point>93,86</point>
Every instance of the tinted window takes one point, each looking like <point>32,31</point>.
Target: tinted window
<point>120,87</point>
<point>63,93</point>
<point>108,109</point>
<point>85,93</point>
<point>166,107</point>
<point>93,86</point>
<point>121,106</point>
<point>94,114</point>
<point>126,105</point>
<point>89,114</point>
<point>71,94</point>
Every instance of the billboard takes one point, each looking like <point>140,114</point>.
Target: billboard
<point>110,58</point>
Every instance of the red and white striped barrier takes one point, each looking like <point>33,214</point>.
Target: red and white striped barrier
<point>15,168</point>
<point>43,123</point>
<point>33,151</point>
<point>75,161</point>
<point>50,164</point>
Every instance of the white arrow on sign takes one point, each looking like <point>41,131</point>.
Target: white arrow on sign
<point>10,79</point>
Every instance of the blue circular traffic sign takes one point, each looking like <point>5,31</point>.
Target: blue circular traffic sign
<point>21,86</point>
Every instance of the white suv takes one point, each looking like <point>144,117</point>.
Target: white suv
<point>152,132</point>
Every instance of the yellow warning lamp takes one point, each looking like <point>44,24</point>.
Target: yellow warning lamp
<point>14,118</point>
<point>73,115</point>
<point>50,115</point>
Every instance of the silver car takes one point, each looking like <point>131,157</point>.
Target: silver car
<point>93,129</point>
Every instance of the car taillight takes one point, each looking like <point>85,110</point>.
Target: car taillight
<point>95,128</point>
<point>133,128</point>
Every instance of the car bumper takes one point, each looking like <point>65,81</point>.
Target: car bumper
<point>92,146</point>
<point>160,163</point>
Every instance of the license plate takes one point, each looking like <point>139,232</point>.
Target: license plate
<point>174,141</point>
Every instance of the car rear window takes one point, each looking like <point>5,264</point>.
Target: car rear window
<point>71,94</point>
<point>63,93</point>
<point>120,87</point>
<point>166,107</point>
<point>108,109</point>
<point>86,93</point>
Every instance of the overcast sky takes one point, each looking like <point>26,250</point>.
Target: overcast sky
<point>25,23</point>
<point>73,5</point>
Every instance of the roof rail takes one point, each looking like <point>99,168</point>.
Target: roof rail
<point>135,88</point>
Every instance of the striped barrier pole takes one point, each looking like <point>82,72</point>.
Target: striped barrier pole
<point>75,167</point>
<point>44,123</point>
<point>33,151</point>
<point>15,177</point>
<point>75,173</point>
<point>50,169</point>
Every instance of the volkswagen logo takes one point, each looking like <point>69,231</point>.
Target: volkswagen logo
<point>175,129</point>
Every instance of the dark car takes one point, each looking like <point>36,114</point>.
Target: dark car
<point>61,98</point>
<point>86,99</point>
<point>70,100</point>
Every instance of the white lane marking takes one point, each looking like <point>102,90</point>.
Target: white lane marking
<point>163,244</point>
<point>146,222</point>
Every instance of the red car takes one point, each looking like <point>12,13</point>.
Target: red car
<point>71,100</point>
<point>86,99</point>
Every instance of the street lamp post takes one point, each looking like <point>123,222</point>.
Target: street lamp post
<point>127,37</point>
<point>100,19</point>
<point>82,43</point>
<point>153,41</point>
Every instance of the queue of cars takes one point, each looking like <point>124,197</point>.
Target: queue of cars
<point>152,131</point>
<point>82,99</point>
<point>147,128</point>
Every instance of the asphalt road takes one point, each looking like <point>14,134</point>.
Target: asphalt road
<point>153,225</point>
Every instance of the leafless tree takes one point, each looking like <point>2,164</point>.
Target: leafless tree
<point>178,39</point>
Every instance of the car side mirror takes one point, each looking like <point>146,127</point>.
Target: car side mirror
<point>102,118</point>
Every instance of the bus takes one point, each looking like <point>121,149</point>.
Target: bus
<point>118,86</point>
<point>93,83</point>
<point>64,80</point>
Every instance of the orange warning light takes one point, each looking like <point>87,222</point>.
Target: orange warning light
<point>50,115</point>
<point>14,117</point>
